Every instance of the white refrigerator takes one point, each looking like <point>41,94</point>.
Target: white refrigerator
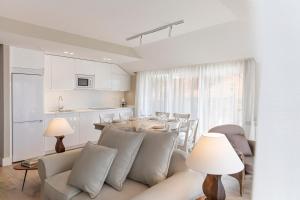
<point>27,115</point>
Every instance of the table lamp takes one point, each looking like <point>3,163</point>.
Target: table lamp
<point>59,127</point>
<point>214,155</point>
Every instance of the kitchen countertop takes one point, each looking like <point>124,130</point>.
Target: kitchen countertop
<point>88,110</point>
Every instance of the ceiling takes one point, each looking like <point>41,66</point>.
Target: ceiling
<point>112,21</point>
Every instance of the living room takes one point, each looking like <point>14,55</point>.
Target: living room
<point>149,100</point>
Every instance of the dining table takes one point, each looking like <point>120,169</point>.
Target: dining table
<point>136,124</point>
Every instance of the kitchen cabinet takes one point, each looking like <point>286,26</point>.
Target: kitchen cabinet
<point>85,67</point>
<point>62,73</point>
<point>102,76</point>
<point>120,82</point>
<point>82,124</point>
<point>26,58</point>
<point>87,130</point>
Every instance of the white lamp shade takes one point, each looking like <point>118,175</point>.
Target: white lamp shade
<point>58,127</point>
<point>213,154</point>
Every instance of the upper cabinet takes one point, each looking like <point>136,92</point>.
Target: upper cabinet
<point>85,67</point>
<point>26,58</point>
<point>102,76</point>
<point>60,74</point>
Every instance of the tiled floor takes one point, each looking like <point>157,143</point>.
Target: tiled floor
<point>11,183</point>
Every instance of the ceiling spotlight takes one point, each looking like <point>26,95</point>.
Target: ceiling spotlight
<point>71,53</point>
<point>66,52</point>
<point>107,59</point>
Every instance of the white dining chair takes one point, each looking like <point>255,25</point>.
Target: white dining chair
<point>162,115</point>
<point>106,117</point>
<point>187,137</point>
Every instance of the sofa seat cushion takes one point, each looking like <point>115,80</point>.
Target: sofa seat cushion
<point>130,190</point>
<point>56,187</point>
<point>249,164</point>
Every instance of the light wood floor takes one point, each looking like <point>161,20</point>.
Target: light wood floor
<point>11,184</point>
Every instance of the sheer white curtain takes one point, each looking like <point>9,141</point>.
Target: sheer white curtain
<point>215,94</point>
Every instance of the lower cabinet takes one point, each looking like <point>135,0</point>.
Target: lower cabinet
<point>86,127</point>
<point>82,124</point>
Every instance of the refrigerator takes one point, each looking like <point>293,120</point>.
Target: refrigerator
<point>27,116</point>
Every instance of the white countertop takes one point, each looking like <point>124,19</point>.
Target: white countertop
<point>88,110</point>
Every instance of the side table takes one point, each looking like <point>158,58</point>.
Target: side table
<point>20,167</point>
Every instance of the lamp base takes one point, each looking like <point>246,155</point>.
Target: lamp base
<point>59,147</point>
<point>213,187</point>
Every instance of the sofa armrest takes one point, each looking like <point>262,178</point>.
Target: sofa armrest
<point>252,144</point>
<point>183,185</point>
<point>56,163</point>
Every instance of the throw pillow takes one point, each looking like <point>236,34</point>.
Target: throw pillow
<point>91,168</point>
<point>127,143</point>
<point>240,143</point>
<point>152,162</point>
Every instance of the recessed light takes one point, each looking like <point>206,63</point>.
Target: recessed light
<point>66,52</point>
<point>71,53</point>
<point>106,59</point>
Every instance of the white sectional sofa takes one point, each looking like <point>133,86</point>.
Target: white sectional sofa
<point>181,183</point>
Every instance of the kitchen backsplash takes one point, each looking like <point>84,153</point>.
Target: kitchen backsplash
<point>78,99</point>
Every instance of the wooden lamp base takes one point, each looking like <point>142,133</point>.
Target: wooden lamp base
<point>59,147</point>
<point>213,188</point>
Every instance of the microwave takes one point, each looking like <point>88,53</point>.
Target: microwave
<point>85,81</point>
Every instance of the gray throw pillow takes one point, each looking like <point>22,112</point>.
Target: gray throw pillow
<point>152,162</point>
<point>127,143</point>
<point>91,168</point>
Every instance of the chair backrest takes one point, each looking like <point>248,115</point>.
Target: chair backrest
<point>126,115</point>
<point>183,119</point>
<point>227,129</point>
<point>106,117</point>
<point>162,114</point>
<point>193,126</point>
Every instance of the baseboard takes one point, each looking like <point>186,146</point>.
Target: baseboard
<point>6,161</point>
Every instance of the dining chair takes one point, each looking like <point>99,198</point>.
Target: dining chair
<point>162,114</point>
<point>106,117</point>
<point>183,119</point>
<point>125,116</point>
<point>187,137</point>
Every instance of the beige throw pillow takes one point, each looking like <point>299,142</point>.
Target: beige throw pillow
<point>127,143</point>
<point>152,162</point>
<point>91,168</point>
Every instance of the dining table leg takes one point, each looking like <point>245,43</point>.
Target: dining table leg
<point>24,179</point>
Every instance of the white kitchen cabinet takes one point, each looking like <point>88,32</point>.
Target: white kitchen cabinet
<point>85,67</point>
<point>62,73</point>
<point>115,69</point>
<point>26,58</point>
<point>87,130</point>
<point>120,82</point>
<point>102,76</point>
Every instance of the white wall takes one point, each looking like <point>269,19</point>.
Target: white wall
<point>277,167</point>
<point>79,99</point>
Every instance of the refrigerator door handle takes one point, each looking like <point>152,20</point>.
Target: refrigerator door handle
<point>33,121</point>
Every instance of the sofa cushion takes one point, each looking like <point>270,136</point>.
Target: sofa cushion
<point>152,162</point>
<point>130,189</point>
<point>56,187</point>
<point>249,164</point>
<point>127,143</point>
<point>240,143</point>
<point>91,168</point>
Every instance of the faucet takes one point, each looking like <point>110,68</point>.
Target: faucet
<point>60,103</point>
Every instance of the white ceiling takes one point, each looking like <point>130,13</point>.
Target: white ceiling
<point>115,20</point>
<point>213,30</point>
